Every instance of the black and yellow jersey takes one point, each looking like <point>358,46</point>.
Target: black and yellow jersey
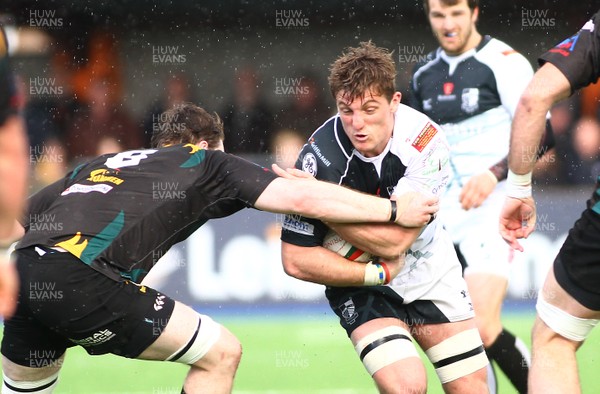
<point>119,211</point>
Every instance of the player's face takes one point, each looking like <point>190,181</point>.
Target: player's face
<point>368,121</point>
<point>454,26</point>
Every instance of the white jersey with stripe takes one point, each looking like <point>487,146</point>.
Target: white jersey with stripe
<point>473,97</point>
<point>415,159</point>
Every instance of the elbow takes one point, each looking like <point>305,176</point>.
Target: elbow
<point>290,264</point>
<point>393,253</point>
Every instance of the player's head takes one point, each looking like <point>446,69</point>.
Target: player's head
<point>362,69</point>
<point>362,82</point>
<point>453,24</point>
<point>189,124</point>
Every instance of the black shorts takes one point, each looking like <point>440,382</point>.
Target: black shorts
<point>577,266</point>
<point>358,305</point>
<point>63,303</point>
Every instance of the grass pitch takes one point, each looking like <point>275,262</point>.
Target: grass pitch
<point>282,354</point>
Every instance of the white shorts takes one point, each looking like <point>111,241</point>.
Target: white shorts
<point>429,290</point>
<point>476,234</point>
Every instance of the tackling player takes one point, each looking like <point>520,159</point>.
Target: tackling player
<point>379,146</point>
<point>91,238</point>
<point>568,305</point>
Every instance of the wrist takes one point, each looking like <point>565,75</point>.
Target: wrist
<point>376,274</point>
<point>394,212</point>
<point>492,176</point>
<point>518,186</point>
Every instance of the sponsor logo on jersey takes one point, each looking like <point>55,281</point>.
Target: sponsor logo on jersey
<point>104,175</point>
<point>158,303</point>
<point>448,88</point>
<point>424,137</point>
<point>293,223</point>
<point>79,188</point>
<point>309,164</point>
<point>566,47</point>
<point>96,339</point>
<point>470,100</point>
<point>348,310</point>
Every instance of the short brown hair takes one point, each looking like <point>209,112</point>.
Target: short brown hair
<point>362,68</point>
<point>188,123</point>
<point>471,3</point>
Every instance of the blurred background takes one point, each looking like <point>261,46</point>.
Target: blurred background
<point>95,75</point>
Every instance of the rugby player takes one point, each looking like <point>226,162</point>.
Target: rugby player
<point>90,239</point>
<point>377,145</point>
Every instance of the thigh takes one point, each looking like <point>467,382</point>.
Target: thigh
<point>191,338</point>
<point>553,293</point>
<point>487,293</point>
<point>577,266</point>
<point>71,303</point>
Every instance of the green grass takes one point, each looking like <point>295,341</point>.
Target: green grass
<point>281,355</point>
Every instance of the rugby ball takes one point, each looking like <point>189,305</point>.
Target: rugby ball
<point>337,244</point>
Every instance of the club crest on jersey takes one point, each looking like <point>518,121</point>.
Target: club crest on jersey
<point>348,310</point>
<point>470,100</point>
<point>309,164</point>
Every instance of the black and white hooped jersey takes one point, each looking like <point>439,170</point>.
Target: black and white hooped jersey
<point>415,159</point>
<point>473,96</point>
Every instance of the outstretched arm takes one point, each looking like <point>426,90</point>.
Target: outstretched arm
<point>330,202</point>
<point>518,216</point>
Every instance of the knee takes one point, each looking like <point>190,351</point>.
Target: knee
<point>543,337</point>
<point>401,382</point>
<point>229,353</point>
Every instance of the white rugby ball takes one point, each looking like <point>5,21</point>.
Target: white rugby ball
<point>337,244</point>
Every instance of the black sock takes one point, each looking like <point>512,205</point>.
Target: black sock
<point>511,355</point>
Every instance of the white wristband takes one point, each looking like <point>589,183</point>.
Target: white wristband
<point>374,275</point>
<point>518,186</point>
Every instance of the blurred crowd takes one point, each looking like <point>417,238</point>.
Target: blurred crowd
<point>74,112</point>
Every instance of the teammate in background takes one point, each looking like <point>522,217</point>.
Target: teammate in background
<point>568,306</point>
<point>93,234</point>
<point>13,177</point>
<point>379,146</point>
<point>470,85</point>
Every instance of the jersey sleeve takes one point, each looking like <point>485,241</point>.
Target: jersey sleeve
<point>427,153</point>
<point>240,178</point>
<point>297,229</point>
<point>578,57</point>
<point>512,78</point>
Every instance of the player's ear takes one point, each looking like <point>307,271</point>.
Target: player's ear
<point>475,16</point>
<point>202,144</point>
<point>395,101</point>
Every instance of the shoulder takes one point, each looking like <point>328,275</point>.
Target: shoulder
<point>414,130</point>
<point>327,150</point>
<point>498,55</point>
<point>431,60</point>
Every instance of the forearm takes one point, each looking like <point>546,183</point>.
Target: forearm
<point>321,200</point>
<point>387,241</point>
<point>546,88</point>
<point>319,265</point>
